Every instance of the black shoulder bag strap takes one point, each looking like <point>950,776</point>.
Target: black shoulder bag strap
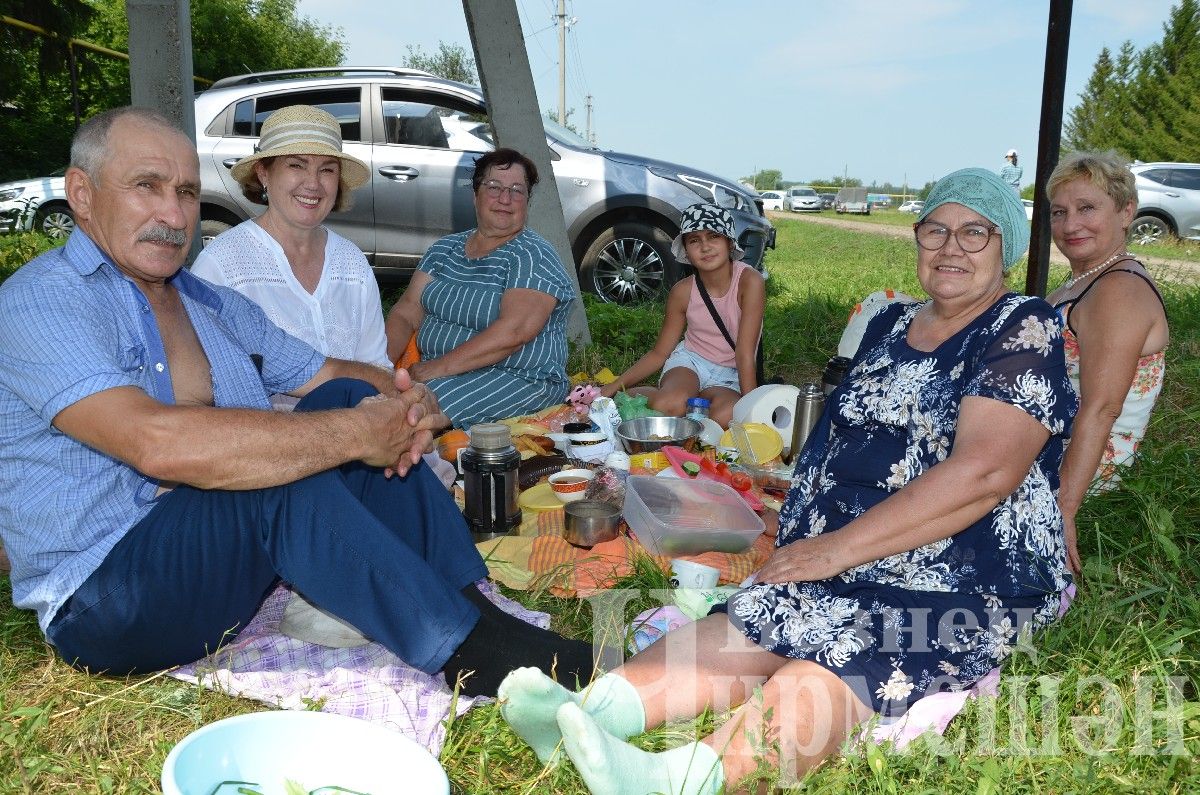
<point>712,310</point>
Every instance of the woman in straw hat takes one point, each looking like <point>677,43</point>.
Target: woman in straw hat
<point>312,282</point>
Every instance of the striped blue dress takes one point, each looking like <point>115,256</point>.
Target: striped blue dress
<point>464,298</point>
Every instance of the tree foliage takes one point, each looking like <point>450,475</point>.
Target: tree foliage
<point>228,37</point>
<point>450,61</point>
<point>1145,105</point>
<point>767,179</point>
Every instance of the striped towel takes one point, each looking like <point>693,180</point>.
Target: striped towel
<point>572,571</point>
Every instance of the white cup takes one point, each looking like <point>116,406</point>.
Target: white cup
<point>686,574</point>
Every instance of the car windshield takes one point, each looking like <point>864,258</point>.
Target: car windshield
<point>804,192</point>
<point>567,136</point>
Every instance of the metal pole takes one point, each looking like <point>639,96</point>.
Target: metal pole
<point>1058,38</point>
<point>562,62</point>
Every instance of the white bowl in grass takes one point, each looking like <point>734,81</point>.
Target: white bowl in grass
<point>262,751</point>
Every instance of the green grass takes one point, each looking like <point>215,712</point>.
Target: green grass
<point>1135,625</point>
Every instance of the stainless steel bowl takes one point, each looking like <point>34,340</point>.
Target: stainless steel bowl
<point>590,522</point>
<point>647,434</point>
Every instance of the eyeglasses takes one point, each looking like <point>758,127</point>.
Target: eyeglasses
<point>971,238</point>
<point>517,193</point>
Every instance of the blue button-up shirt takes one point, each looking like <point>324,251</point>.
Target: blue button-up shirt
<point>72,325</point>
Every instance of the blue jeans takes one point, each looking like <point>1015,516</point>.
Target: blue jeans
<point>388,555</point>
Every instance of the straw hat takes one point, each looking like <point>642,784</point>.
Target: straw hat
<point>302,130</point>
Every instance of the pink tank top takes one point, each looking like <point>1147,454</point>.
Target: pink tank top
<point>702,336</point>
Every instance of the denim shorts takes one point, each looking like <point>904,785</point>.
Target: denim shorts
<point>710,374</point>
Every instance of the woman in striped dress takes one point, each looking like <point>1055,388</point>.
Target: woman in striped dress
<point>489,306</point>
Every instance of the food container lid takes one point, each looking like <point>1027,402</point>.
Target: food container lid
<point>490,436</point>
<point>699,402</point>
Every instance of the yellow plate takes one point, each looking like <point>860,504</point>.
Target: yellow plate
<point>539,498</point>
<point>765,441</point>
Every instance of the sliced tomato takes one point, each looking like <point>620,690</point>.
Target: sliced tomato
<point>741,481</point>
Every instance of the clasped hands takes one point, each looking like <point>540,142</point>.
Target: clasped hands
<point>401,424</point>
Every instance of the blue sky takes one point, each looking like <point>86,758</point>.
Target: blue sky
<point>883,90</point>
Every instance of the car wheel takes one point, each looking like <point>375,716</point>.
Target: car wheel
<point>56,221</point>
<point>210,228</point>
<point>628,263</point>
<point>1148,229</point>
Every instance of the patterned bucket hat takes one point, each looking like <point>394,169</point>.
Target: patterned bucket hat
<point>711,217</point>
<point>303,130</point>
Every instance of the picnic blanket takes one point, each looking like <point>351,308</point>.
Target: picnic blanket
<point>367,682</point>
<point>548,559</point>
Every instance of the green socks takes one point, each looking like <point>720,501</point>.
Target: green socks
<point>529,701</point>
<point>613,767</point>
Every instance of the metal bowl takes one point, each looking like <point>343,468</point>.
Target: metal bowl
<point>648,434</point>
<point>590,522</point>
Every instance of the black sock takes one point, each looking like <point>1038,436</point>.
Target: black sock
<point>497,646</point>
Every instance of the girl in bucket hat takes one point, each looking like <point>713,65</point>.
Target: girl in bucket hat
<point>709,338</point>
<point>311,281</point>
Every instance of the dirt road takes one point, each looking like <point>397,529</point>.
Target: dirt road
<point>1172,270</point>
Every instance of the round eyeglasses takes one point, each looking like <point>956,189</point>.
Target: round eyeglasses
<point>971,238</point>
<point>494,188</point>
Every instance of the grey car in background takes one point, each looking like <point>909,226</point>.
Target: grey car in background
<point>1168,202</point>
<point>420,135</point>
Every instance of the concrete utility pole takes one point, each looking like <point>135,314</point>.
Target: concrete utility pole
<point>591,136</point>
<point>512,102</point>
<point>160,59</point>
<point>562,62</point>
<point>160,65</point>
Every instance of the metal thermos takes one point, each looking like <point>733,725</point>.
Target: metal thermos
<point>490,474</point>
<point>810,402</point>
<point>835,371</point>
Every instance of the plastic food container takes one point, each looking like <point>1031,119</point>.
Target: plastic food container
<point>684,517</point>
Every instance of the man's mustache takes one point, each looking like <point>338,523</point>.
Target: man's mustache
<point>163,234</point>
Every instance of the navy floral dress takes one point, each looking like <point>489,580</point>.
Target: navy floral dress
<point>941,616</point>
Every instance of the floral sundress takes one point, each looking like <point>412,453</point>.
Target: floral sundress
<point>1129,428</point>
<point>941,616</point>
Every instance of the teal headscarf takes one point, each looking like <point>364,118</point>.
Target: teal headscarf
<point>985,193</point>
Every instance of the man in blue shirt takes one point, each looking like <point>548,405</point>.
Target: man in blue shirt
<point>149,499</point>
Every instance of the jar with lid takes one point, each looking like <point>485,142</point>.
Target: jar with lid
<point>835,371</point>
<point>697,408</point>
<point>490,481</point>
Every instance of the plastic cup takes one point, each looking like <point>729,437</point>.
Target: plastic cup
<point>687,574</point>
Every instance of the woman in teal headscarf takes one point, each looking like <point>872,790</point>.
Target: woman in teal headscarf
<point>920,537</point>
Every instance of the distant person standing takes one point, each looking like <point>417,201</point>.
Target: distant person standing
<point>1010,172</point>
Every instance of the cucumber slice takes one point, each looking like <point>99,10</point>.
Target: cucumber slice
<point>691,467</point>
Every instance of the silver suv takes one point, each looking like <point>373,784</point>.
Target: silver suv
<point>1168,202</point>
<point>421,134</point>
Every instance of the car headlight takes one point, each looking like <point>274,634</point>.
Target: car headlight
<point>706,189</point>
<point>10,194</point>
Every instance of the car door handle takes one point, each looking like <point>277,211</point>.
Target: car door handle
<point>230,162</point>
<point>399,173</point>
<point>1172,195</point>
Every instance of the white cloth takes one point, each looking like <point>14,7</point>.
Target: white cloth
<point>343,318</point>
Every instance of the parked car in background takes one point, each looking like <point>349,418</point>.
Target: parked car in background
<point>879,200</point>
<point>914,206</point>
<point>1168,202</point>
<point>420,136</point>
<point>771,199</point>
<point>802,199</point>
<point>39,203</point>
<point>852,200</point>
<point>1028,208</point>
<point>827,200</point>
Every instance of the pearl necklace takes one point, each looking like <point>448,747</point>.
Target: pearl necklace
<point>1075,279</point>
